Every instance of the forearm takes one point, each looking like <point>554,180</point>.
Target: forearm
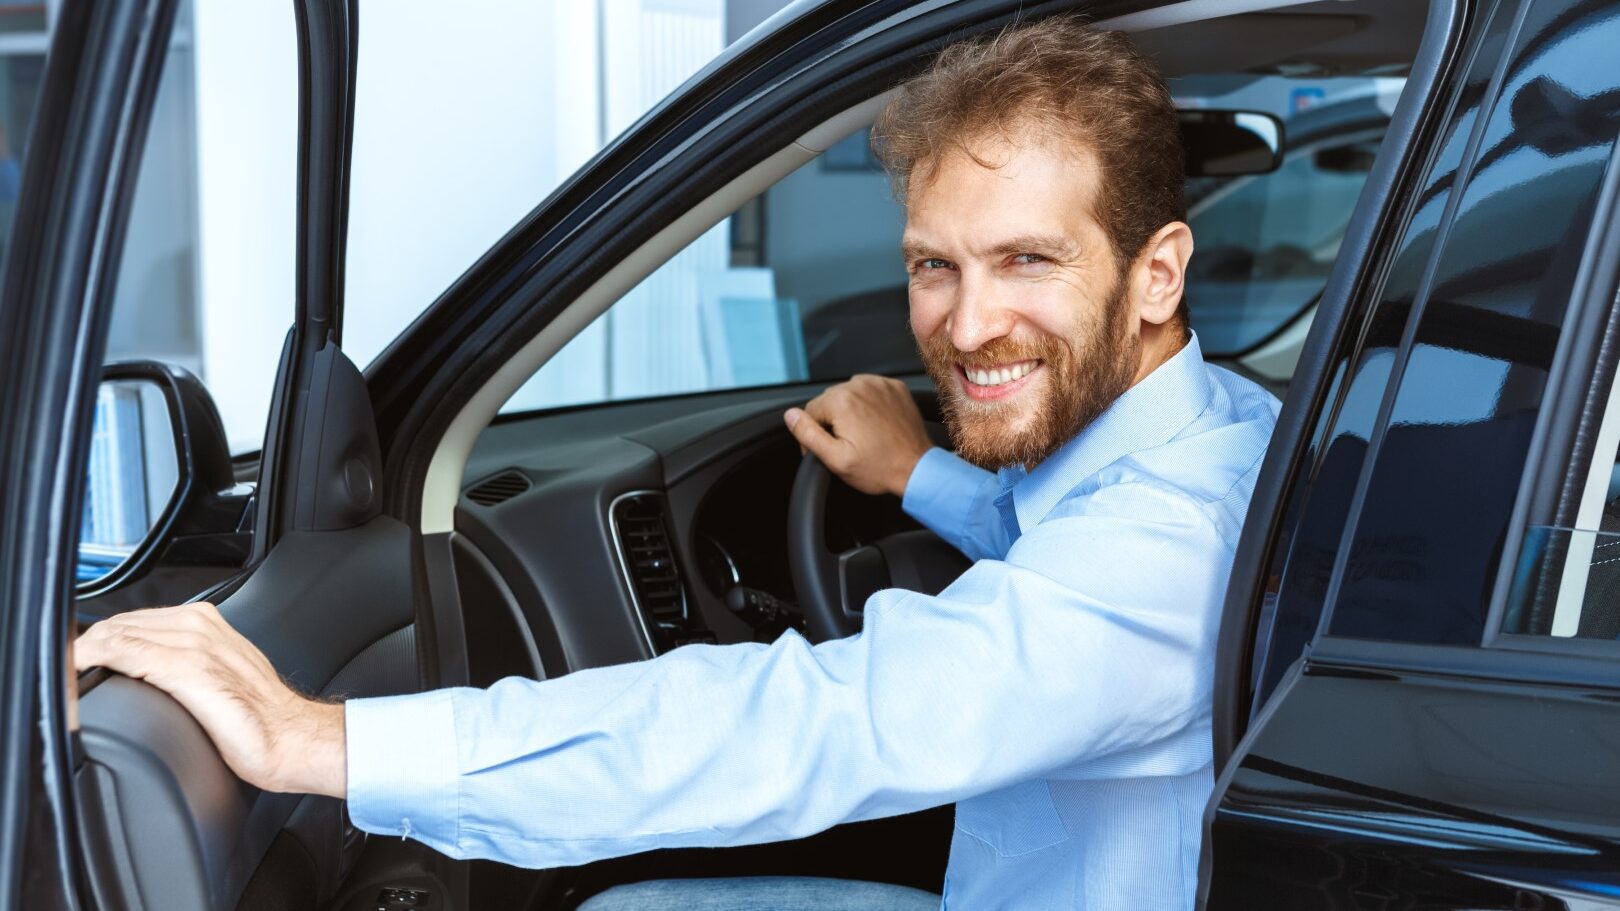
<point>705,746</point>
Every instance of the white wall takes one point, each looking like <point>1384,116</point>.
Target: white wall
<point>247,163</point>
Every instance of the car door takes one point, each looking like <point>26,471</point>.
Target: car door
<point>118,799</point>
<point>1410,657</point>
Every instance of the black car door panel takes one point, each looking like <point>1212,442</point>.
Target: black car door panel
<point>1407,760</point>
<point>1463,796</point>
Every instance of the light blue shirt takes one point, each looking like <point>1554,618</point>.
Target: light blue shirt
<point>1058,691</point>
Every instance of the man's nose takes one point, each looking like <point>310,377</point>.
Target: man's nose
<point>979,315</point>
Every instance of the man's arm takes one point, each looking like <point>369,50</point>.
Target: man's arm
<point>1092,638</point>
<point>956,501</point>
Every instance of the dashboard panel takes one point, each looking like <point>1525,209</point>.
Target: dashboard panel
<point>612,533</point>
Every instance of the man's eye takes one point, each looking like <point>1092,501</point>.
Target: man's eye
<point>925,264</point>
<point>1024,259</point>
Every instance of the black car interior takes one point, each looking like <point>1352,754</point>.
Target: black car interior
<point>583,536</point>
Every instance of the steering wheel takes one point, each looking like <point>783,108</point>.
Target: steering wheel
<point>833,587</point>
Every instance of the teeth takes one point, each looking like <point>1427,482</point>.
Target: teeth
<point>1000,375</point>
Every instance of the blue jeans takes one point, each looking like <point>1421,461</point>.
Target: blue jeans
<point>762,893</point>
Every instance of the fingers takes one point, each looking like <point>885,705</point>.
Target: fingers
<point>815,438</point>
<point>129,643</point>
<point>131,651</point>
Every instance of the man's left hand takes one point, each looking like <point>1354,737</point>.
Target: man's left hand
<point>268,734</point>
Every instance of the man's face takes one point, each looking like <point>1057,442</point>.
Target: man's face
<point>1018,304</point>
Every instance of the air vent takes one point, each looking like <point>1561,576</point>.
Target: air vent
<point>499,489</point>
<point>649,562</point>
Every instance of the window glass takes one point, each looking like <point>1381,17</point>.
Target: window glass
<point>467,116</point>
<point>806,281</point>
<point>1426,545</point>
<point>1266,243</point>
<point>1318,504</point>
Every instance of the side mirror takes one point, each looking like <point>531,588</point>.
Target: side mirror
<point>1230,143</point>
<point>159,470</point>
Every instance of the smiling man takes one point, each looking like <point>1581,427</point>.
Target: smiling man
<point>1058,692</point>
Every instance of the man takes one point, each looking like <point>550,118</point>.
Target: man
<point>1058,692</point>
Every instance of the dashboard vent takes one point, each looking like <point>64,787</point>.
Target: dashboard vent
<point>649,562</point>
<point>499,489</point>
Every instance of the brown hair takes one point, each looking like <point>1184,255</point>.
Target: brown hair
<point>1063,77</point>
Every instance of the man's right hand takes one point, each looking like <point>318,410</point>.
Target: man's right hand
<point>868,431</point>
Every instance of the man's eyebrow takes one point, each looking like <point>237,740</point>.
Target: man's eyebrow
<point>1053,246</point>
<point>911,248</point>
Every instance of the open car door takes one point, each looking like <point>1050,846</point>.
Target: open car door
<point>115,797</point>
<point>1417,700</point>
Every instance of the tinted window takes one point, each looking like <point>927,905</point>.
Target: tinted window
<point>1318,506</point>
<point>1422,561</point>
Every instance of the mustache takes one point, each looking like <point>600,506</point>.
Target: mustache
<point>937,350</point>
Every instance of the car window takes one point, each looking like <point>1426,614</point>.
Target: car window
<point>468,115</point>
<point>205,280</point>
<point>1448,467</point>
<point>1264,244</point>
<point>805,282</point>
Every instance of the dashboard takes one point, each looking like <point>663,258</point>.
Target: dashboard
<point>612,533</point>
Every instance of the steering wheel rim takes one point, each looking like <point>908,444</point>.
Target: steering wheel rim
<point>833,587</point>
<point>826,582</point>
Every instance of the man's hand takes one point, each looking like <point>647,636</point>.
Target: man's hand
<point>271,736</point>
<point>867,431</point>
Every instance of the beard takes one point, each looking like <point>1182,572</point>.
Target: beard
<point>1084,374</point>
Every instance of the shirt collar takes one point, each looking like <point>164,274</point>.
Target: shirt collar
<point>1149,414</point>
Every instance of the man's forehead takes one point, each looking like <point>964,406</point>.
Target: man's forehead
<point>999,190</point>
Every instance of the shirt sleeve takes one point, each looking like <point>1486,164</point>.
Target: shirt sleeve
<point>956,500</point>
<point>1090,640</point>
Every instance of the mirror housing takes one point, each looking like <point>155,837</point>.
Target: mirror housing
<point>205,508</point>
<point>1222,143</point>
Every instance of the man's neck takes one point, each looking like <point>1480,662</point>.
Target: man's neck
<point>1160,343</point>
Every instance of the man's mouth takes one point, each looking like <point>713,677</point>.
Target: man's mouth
<point>998,381</point>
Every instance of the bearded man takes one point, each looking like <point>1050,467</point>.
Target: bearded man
<point>1058,692</point>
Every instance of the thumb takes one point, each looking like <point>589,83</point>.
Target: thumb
<point>811,435</point>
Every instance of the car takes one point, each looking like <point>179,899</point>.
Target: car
<point>1417,671</point>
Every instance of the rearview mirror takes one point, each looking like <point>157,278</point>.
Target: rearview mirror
<point>1230,143</point>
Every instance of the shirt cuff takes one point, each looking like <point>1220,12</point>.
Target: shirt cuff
<point>935,491</point>
<point>402,767</point>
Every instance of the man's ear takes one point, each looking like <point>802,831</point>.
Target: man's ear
<point>1159,275</point>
